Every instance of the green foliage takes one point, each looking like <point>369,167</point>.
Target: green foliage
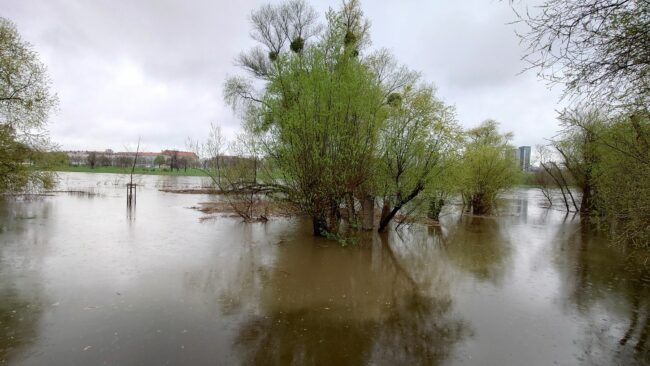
<point>56,158</point>
<point>339,128</point>
<point>25,103</point>
<point>394,99</point>
<point>343,241</point>
<point>13,174</point>
<point>297,45</point>
<point>486,167</point>
<point>622,182</point>
<point>320,113</point>
<point>607,158</point>
<point>419,136</point>
<point>159,160</point>
<point>326,113</point>
<point>621,174</point>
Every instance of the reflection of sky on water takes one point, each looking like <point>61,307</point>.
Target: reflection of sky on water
<point>82,283</point>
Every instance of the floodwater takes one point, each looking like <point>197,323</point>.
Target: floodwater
<point>83,281</point>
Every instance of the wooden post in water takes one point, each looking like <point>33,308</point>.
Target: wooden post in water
<point>131,187</point>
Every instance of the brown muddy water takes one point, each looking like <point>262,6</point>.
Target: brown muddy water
<point>85,282</point>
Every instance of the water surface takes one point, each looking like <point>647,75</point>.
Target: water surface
<point>84,281</point>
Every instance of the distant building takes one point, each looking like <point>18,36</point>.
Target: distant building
<point>124,159</point>
<point>78,158</point>
<point>523,158</point>
<point>190,156</point>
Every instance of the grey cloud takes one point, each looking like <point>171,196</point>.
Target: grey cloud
<point>155,69</point>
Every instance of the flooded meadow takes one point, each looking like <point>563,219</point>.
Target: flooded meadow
<point>84,281</point>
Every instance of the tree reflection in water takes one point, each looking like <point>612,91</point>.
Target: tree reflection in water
<point>373,303</point>
<point>610,286</point>
<point>479,246</point>
<point>21,294</point>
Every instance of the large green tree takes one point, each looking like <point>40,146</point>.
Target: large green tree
<point>25,104</point>
<point>607,158</point>
<point>487,167</point>
<point>416,141</point>
<point>322,109</point>
<point>340,125</point>
<point>321,106</point>
<point>621,175</point>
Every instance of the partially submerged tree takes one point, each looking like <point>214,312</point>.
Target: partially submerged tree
<point>598,50</point>
<point>559,175</point>
<point>320,110</point>
<point>577,148</point>
<point>621,176</point>
<point>238,177</point>
<point>25,104</point>
<point>606,161</point>
<point>418,135</point>
<point>339,127</point>
<point>487,167</point>
<point>15,176</point>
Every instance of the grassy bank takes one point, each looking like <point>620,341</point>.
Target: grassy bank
<point>191,172</point>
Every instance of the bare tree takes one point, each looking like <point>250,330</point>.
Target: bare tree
<point>236,177</point>
<point>557,174</point>
<point>211,152</point>
<point>597,49</point>
<point>277,27</point>
<point>542,179</point>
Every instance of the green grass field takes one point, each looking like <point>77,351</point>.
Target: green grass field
<point>191,172</point>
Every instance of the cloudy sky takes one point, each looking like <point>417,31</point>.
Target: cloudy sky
<point>155,68</point>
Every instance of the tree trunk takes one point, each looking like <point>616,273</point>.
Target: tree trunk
<point>566,186</point>
<point>586,203</point>
<point>385,211</point>
<point>435,206</point>
<point>334,219</point>
<point>367,212</point>
<point>478,204</point>
<point>387,214</point>
<point>351,212</point>
<point>319,225</point>
<point>559,184</point>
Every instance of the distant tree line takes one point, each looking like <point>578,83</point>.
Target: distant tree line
<point>169,159</point>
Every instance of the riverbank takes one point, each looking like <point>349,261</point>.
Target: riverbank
<point>190,172</point>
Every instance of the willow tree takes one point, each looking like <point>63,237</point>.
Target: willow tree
<point>621,176</point>
<point>321,107</point>
<point>25,104</point>
<point>416,140</point>
<point>578,150</point>
<point>487,167</point>
<point>340,125</point>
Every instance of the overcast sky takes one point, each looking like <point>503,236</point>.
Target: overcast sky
<point>155,68</point>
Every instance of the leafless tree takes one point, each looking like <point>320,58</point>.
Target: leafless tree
<point>598,49</point>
